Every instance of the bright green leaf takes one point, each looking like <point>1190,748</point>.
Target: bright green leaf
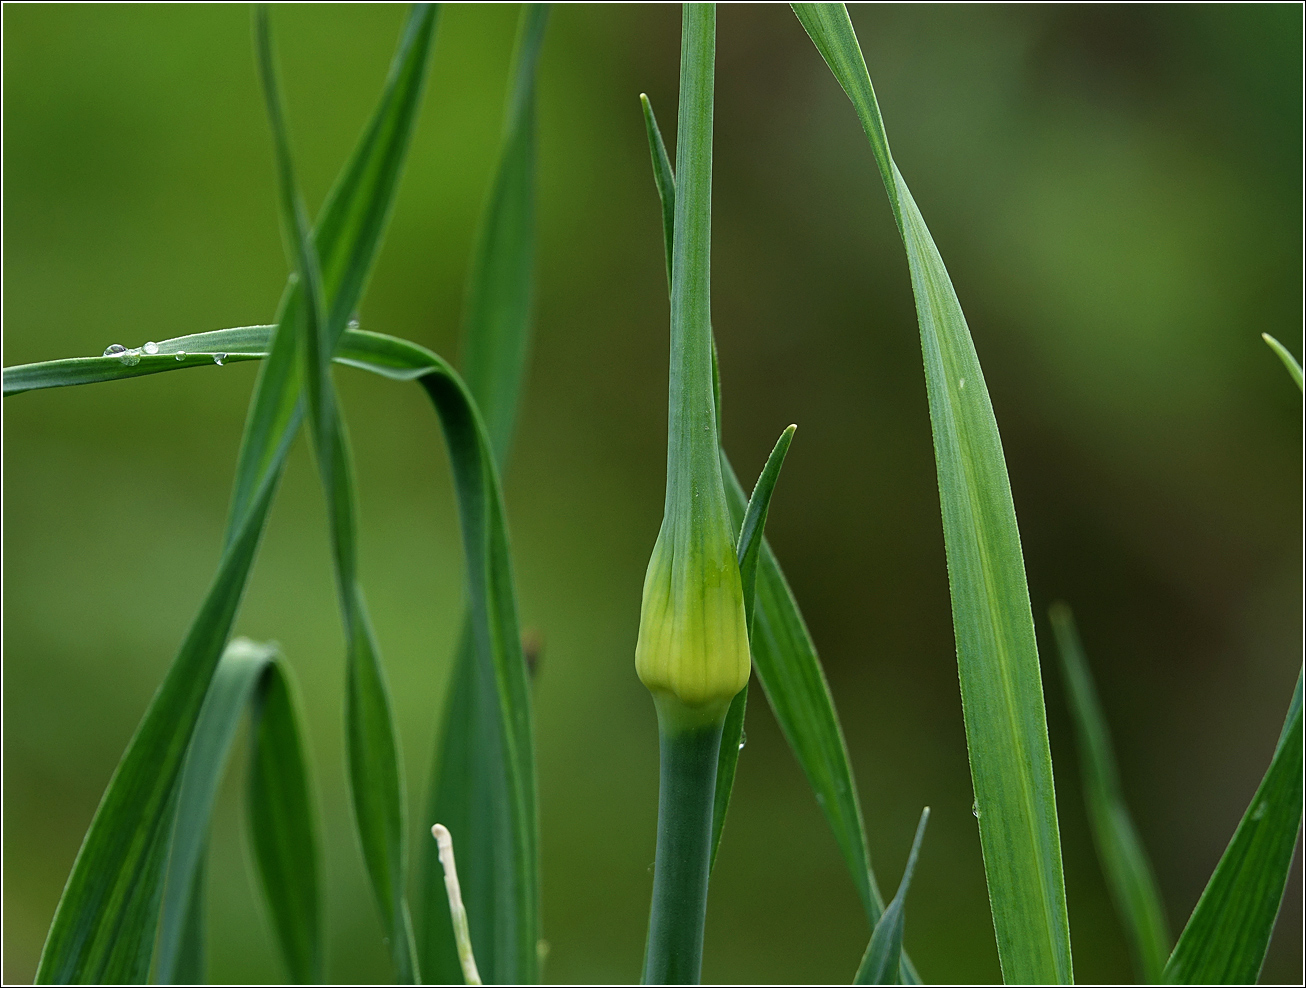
<point>1002,693</point>
<point>1229,931</point>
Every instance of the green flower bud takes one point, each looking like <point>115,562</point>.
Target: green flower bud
<point>692,651</point>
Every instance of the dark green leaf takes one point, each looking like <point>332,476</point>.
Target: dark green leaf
<point>881,963</point>
<point>468,787</point>
<point>104,927</point>
<point>1228,933</point>
<point>375,775</point>
<point>1119,849</point>
<point>285,840</point>
<point>238,672</point>
<point>282,826</point>
<point>997,657</point>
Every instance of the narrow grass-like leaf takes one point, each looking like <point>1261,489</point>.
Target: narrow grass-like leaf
<point>104,927</point>
<point>347,237</point>
<point>1124,861</point>
<point>229,693</point>
<point>881,964</point>
<point>249,676</point>
<point>1229,932</point>
<point>282,825</point>
<point>997,658</point>
<point>748,552</point>
<point>495,628</point>
<point>1289,361</point>
<point>784,657</point>
<point>468,792</point>
<point>375,774</point>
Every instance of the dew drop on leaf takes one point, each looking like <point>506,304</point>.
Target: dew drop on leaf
<point>218,358</point>
<point>113,349</point>
<point>151,348</point>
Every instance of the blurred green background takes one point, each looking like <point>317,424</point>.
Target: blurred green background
<point>1117,192</point>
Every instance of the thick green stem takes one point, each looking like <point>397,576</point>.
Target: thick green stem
<point>674,954</point>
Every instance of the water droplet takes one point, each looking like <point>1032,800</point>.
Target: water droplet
<point>1259,811</point>
<point>130,357</point>
<point>974,808</point>
<point>353,324</point>
<point>218,358</point>
<point>743,740</point>
<point>180,354</point>
<point>151,348</point>
<point>961,384</point>
<point>113,349</point>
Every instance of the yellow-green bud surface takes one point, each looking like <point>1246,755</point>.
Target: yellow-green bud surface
<point>693,642</point>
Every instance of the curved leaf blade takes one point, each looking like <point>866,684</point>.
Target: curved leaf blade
<point>104,927</point>
<point>997,657</point>
<point>1120,850</point>
<point>1289,361</point>
<point>283,825</point>
<point>376,778</point>
<point>467,792</point>
<point>1229,931</point>
<point>234,681</point>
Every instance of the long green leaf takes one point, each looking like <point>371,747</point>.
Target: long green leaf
<point>282,825</point>
<point>1229,931</point>
<point>1119,849</point>
<point>748,552</point>
<point>104,927</point>
<point>495,628</point>
<point>784,656</point>
<point>376,778</point>
<point>248,676</point>
<point>467,791</point>
<point>238,672</point>
<point>997,658</point>
<point>881,964</point>
<point>1289,361</point>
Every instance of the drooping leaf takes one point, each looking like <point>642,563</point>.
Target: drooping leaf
<point>881,964</point>
<point>249,676</point>
<point>997,658</point>
<point>225,704</point>
<point>104,927</point>
<point>748,552</point>
<point>468,792</point>
<point>490,583</point>
<point>1229,931</point>
<point>1120,851</point>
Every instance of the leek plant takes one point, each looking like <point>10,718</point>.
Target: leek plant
<point>716,610</point>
